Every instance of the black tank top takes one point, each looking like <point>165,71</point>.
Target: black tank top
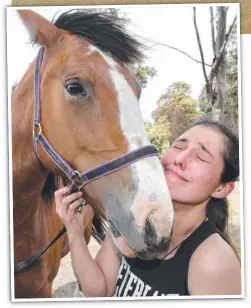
<point>161,277</point>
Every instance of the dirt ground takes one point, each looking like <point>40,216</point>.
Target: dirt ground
<point>65,282</point>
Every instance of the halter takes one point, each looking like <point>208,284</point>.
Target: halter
<point>78,180</point>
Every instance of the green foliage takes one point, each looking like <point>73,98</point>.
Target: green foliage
<point>176,109</point>
<point>159,135</point>
<point>143,73</point>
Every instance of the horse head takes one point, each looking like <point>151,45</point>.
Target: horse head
<point>90,114</point>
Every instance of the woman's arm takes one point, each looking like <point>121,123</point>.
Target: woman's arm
<point>96,277</point>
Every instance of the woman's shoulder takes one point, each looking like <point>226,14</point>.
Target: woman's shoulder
<point>214,248</point>
<point>214,267</point>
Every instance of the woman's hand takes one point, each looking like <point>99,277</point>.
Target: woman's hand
<point>67,209</point>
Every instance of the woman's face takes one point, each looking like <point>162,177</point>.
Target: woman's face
<point>193,165</point>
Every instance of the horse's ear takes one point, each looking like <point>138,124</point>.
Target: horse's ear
<point>41,31</point>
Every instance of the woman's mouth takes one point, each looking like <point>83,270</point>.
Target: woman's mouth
<point>177,175</point>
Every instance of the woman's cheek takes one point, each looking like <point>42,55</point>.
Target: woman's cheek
<point>168,158</point>
<point>204,176</point>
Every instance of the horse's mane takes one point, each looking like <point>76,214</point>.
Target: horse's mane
<point>103,30</point>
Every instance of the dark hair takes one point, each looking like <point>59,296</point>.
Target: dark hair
<point>218,209</point>
<point>105,31</point>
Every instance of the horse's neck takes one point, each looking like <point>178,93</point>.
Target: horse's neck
<point>28,177</point>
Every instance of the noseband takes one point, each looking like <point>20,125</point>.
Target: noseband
<point>78,180</point>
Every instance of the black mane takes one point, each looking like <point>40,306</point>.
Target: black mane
<point>103,30</point>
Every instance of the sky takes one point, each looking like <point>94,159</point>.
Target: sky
<point>166,24</point>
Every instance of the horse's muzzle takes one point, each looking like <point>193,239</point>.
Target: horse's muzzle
<point>153,246</point>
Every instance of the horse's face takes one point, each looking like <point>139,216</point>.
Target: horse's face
<point>90,114</point>
<point>88,97</point>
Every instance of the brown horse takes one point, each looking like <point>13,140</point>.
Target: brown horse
<point>90,115</point>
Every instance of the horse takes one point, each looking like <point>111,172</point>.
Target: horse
<point>79,122</point>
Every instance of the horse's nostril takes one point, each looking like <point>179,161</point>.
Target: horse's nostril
<point>150,230</point>
<point>153,241</point>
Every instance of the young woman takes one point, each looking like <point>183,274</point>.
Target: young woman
<point>200,168</point>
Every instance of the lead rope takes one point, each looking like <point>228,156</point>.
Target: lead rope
<point>32,260</point>
<point>35,258</point>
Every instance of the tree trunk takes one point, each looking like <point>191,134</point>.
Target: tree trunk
<point>220,78</point>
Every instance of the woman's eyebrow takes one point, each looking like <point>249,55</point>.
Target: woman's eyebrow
<point>200,143</point>
<point>205,149</point>
<point>182,140</point>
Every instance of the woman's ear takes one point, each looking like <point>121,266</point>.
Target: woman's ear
<point>223,190</point>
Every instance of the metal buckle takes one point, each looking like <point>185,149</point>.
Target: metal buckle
<point>37,130</point>
<point>74,174</point>
<point>80,183</point>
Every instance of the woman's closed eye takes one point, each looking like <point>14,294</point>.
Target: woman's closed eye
<point>203,159</point>
<point>179,147</point>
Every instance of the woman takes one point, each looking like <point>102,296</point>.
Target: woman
<point>200,168</point>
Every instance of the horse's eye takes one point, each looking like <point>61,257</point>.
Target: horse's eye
<point>76,88</point>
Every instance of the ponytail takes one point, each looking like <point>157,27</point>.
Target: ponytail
<point>218,212</point>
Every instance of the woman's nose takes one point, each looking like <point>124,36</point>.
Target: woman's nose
<point>182,158</point>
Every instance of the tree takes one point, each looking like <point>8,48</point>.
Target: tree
<point>143,73</point>
<point>220,74</point>
<point>229,114</point>
<point>215,82</point>
<point>159,134</point>
<point>176,109</point>
<point>231,104</point>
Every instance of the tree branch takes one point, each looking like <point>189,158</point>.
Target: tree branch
<point>181,51</point>
<point>201,51</point>
<point>212,29</point>
<point>222,50</point>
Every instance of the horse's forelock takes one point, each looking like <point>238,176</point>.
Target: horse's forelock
<point>105,32</point>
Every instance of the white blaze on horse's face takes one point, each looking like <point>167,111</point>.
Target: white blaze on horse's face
<point>151,207</point>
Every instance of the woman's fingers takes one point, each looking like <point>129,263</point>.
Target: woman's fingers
<point>59,194</point>
<point>66,204</point>
<point>67,208</point>
<point>74,205</point>
<point>71,198</point>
